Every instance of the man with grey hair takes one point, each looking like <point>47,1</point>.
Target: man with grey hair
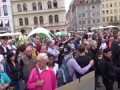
<point>42,77</point>
<point>93,54</point>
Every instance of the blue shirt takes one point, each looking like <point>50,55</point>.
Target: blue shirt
<point>4,79</point>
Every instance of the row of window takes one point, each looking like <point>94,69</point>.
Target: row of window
<point>109,12</point>
<point>6,23</point>
<point>41,20</point>
<point>88,14</point>
<point>111,18</point>
<point>110,5</point>
<point>89,21</point>
<point>37,5</point>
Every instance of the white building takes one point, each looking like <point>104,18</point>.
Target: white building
<point>6,21</point>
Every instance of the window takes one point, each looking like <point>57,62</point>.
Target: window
<point>103,19</point>
<point>93,7</point>
<point>98,20</point>
<point>110,4</point>
<point>56,19</point>
<point>83,22</point>
<point>115,11</point>
<point>103,12</point>
<point>55,4</point>
<point>107,19</point>
<point>102,5</point>
<point>111,18</point>
<point>41,20</point>
<point>83,15</point>
<point>49,4</point>
<point>26,21</point>
<point>115,18</point>
<point>19,8</point>
<point>34,6</point>
<point>107,12</point>
<point>93,21</point>
<point>39,6</point>
<point>111,11</point>
<point>3,0</point>
<point>6,23</point>
<point>35,20</point>
<point>107,5</point>
<point>80,22</point>
<point>5,10</point>
<point>24,7</point>
<point>88,21</point>
<point>0,11</point>
<point>21,22</point>
<point>1,23</point>
<point>114,3</point>
<point>50,19</point>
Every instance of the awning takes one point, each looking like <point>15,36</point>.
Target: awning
<point>6,22</point>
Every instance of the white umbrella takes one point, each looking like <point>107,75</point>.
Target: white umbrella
<point>40,31</point>
<point>94,28</point>
<point>111,26</point>
<point>101,27</point>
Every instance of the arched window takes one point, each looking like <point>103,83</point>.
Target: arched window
<point>39,5</point>
<point>35,20</point>
<point>24,7</point>
<point>34,6</point>
<point>50,19</point>
<point>19,8</point>
<point>41,20</point>
<point>55,4</point>
<point>49,4</point>
<point>56,19</point>
<point>26,21</point>
<point>21,21</point>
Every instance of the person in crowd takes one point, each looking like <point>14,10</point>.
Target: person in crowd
<point>73,66</point>
<point>43,49</point>
<point>51,63</point>
<point>4,48</point>
<point>117,64</point>
<point>11,47</point>
<point>57,45</point>
<point>27,43</point>
<point>4,80</point>
<point>115,46</point>
<point>21,53</point>
<point>83,60</point>
<point>52,50</point>
<point>107,70</point>
<point>38,46</point>
<point>93,54</point>
<point>111,39</point>
<point>28,62</point>
<point>87,46</point>
<point>2,61</point>
<point>14,71</point>
<point>22,37</point>
<point>42,77</point>
<point>103,45</point>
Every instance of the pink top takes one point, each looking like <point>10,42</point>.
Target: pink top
<point>48,76</point>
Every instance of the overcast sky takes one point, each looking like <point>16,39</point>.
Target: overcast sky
<point>67,3</point>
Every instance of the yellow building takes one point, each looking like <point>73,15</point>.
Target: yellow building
<point>110,12</point>
<point>30,14</point>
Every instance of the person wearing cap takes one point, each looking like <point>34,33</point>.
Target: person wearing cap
<point>73,65</point>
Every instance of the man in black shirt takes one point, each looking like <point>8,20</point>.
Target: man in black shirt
<point>83,60</point>
<point>106,69</point>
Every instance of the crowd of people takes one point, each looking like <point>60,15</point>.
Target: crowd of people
<point>42,64</point>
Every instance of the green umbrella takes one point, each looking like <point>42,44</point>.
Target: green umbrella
<point>60,33</point>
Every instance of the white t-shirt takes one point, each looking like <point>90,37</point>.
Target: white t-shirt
<point>55,68</point>
<point>10,47</point>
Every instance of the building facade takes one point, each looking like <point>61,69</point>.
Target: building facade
<point>30,14</point>
<point>6,20</point>
<point>85,14</point>
<point>110,12</point>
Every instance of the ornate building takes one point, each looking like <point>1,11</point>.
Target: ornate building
<point>30,14</point>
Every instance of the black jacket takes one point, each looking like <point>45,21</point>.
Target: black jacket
<point>3,52</point>
<point>106,69</point>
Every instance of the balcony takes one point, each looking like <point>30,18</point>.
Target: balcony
<point>39,11</point>
<point>4,29</point>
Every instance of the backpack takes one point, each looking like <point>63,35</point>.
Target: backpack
<point>63,72</point>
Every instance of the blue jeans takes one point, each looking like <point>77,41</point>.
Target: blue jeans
<point>18,85</point>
